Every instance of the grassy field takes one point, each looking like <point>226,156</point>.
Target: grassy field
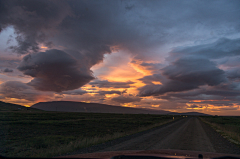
<point>228,127</point>
<point>47,134</point>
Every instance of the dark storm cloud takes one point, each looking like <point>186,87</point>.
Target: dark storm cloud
<point>75,92</point>
<point>229,62</point>
<point>111,92</point>
<point>19,90</point>
<point>228,108</point>
<point>194,75</point>
<point>217,103</point>
<point>184,74</point>
<point>221,48</point>
<point>94,26</point>
<point>224,52</point>
<point>90,28</point>
<point>55,70</point>
<point>224,94</point>
<point>194,71</point>
<point>189,95</point>
<point>155,77</point>
<point>107,84</point>
<point>33,21</point>
<point>194,106</point>
<point>208,93</point>
<point>234,74</point>
<point>151,67</point>
<point>170,86</point>
<point>7,70</point>
<point>126,99</point>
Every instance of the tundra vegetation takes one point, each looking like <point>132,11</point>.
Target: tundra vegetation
<point>48,134</point>
<point>227,126</point>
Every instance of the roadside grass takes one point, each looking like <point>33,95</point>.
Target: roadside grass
<point>228,127</point>
<point>48,134</point>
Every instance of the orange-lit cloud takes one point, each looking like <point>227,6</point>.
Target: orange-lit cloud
<point>136,65</point>
<point>210,100</point>
<point>22,102</point>
<point>117,67</point>
<point>157,82</point>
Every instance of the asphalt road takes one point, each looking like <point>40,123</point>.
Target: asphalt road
<point>186,134</point>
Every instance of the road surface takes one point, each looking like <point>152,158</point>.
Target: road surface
<point>186,134</point>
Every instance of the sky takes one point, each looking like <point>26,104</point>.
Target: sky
<point>179,56</point>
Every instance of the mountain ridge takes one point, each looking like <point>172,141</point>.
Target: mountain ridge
<point>15,107</point>
<point>71,106</point>
<point>92,108</point>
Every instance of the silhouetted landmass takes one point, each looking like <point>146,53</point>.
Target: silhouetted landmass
<point>47,134</point>
<point>189,113</point>
<point>67,106</point>
<point>15,107</point>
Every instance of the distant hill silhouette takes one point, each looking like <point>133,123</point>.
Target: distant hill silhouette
<point>15,107</point>
<point>67,106</point>
<point>189,113</point>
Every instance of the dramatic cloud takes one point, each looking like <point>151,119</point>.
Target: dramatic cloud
<point>33,21</point>
<point>75,92</point>
<point>111,92</point>
<point>179,53</point>
<point>170,86</point>
<point>55,70</point>
<point>194,71</point>
<point>126,99</point>
<point>107,84</point>
<point>7,70</point>
<point>191,76</point>
<point>234,74</point>
<point>93,27</point>
<point>221,48</point>
<point>146,68</point>
<point>19,90</point>
<point>194,106</point>
<point>155,77</point>
<point>184,74</point>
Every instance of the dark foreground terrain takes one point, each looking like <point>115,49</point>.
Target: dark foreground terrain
<point>47,134</point>
<point>186,134</point>
<point>29,132</point>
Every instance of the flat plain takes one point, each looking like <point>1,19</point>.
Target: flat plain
<point>186,134</point>
<point>29,132</point>
<point>227,126</point>
<point>47,134</point>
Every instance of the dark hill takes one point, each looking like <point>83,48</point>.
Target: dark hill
<point>67,106</point>
<point>189,113</point>
<point>15,107</point>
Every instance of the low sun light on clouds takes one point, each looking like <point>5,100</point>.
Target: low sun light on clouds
<point>117,67</point>
<point>143,56</point>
